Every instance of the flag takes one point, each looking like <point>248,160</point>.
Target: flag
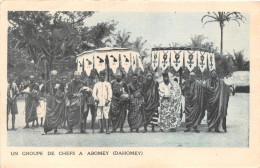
<point>79,64</point>
<point>164,59</point>
<point>190,59</point>
<point>211,61</point>
<point>100,59</point>
<point>125,59</point>
<point>155,59</point>
<point>139,61</point>
<point>133,56</point>
<point>202,60</point>
<point>177,59</point>
<point>113,58</point>
<point>88,64</point>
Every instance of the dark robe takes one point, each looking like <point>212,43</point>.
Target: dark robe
<point>31,102</point>
<point>217,102</point>
<point>12,93</point>
<point>75,103</point>
<point>135,114</point>
<point>194,103</point>
<point>151,103</point>
<point>55,106</point>
<point>118,105</point>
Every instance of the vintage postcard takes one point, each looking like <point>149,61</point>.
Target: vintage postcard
<point>129,84</point>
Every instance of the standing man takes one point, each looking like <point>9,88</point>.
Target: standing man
<point>194,103</point>
<point>102,94</point>
<point>170,106</point>
<point>135,115</point>
<point>119,102</point>
<point>12,93</point>
<point>41,108</point>
<point>75,103</point>
<point>89,100</point>
<point>151,103</point>
<point>31,102</point>
<point>55,103</point>
<point>217,102</point>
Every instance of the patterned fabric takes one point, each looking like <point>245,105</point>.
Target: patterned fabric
<point>118,108</point>
<point>135,115</point>
<point>170,108</point>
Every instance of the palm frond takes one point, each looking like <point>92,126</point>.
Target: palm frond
<point>208,16</point>
<point>209,22</point>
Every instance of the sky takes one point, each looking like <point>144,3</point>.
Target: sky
<point>167,28</point>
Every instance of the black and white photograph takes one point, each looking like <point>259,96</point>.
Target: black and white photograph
<point>128,79</point>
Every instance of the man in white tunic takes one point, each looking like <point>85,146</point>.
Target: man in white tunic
<point>102,94</point>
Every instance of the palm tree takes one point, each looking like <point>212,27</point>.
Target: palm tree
<point>222,17</point>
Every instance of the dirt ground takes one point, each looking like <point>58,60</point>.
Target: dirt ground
<point>237,135</point>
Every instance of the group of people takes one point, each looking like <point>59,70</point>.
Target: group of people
<point>142,102</point>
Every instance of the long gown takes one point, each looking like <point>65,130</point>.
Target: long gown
<point>55,106</point>
<point>217,102</point>
<point>12,92</point>
<point>31,102</point>
<point>135,114</point>
<point>170,107</point>
<point>118,108</point>
<point>75,104</point>
<point>194,103</point>
<point>151,103</point>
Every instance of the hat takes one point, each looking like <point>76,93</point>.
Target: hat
<point>53,73</point>
<point>76,73</point>
<point>213,71</point>
<point>118,72</point>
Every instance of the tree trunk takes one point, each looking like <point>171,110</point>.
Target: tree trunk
<point>221,42</point>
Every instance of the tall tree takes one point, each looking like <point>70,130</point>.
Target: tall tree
<point>221,18</point>
<point>46,36</point>
<point>138,45</point>
<point>122,39</point>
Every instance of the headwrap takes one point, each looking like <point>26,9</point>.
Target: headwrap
<point>76,73</point>
<point>53,73</point>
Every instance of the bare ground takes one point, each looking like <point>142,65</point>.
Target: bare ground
<point>237,135</point>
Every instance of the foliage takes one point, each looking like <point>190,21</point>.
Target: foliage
<point>240,62</point>
<point>123,40</point>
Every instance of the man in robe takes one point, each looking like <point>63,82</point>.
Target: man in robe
<point>194,102</point>
<point>31,101</point>
<point>217,102</point>
<point>170,106</point>
<point>151,103</point>
<point>75,104</point>
<point>12,93</point>
<point>102,94</point>
<point>119,102</point>
<point>135,114</point>
<point>55,103</point>
<point>89,102</point>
